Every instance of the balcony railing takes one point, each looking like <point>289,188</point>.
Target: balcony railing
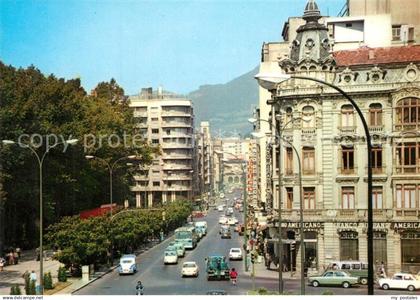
<point>309,131</point>
<point>177,124</point>
<point>406,127</point>
<point>347,129</point>
<point>176,145</point>
<point>407,169</point>
<point>308,172</point>
<point>407,212</point>
<point>376,129</point>
<point>347,171</point>
<point>173,113</point>
<point>377,170</point>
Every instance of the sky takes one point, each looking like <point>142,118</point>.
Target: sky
<point>177,44</point>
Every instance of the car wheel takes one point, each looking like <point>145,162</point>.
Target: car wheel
<point>411,288</point>
<point>363,281</point>
<point>385,286</point>
<point>315,283</point>
<point>346,285</point>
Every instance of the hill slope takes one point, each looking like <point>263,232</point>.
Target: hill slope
<point>227,106</point>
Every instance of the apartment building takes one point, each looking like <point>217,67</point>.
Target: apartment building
<point>204,159</point>
<point>324,127</point>
<point>166,120</point>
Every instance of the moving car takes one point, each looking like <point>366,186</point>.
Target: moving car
<point>217,267</point>
<point>170,257</point>
<point>220,208</point>
<point>128,264</point>
<point>179,247</point>
<point>225,233</point>
<point>338,278</point>
<point>235,254</point>
<point>403,281</point>
<point>189,268</point>
<point>223,220</point>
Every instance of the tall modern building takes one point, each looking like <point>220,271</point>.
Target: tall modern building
<point>204,159</point>
<point>328,135</point>
<point>165,120</point>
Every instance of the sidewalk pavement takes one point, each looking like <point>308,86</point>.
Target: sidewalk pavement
<point>260,271</point>
<point>13,274</point>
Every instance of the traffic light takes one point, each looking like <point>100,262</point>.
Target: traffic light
<point>253,257</point>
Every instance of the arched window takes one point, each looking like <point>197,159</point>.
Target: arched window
<point>289,115</point>
<point>375,114</point>
<point>308,117</point>
<point>408,111</point>
<point>347,116</point>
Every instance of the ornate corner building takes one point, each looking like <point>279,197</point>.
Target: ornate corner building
<point>324,127</point>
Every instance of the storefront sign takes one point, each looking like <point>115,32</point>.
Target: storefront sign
<point>405,225</point>
<point>307,225</point>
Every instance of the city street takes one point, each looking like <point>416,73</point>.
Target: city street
<point>160,279</point>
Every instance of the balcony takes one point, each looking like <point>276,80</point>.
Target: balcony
<point>407,212</point>
<point>347,171</point>
<point>176,145</point>
<point>140,114</point>
<point>177,187</point>
<point>406,127</point>
<point>308,131</point>
<point>407,169</point>
<point>376,129</point>
<point>347,213</point>
<point>177,167</point>
<point>185,156</point>
<point>185,123</point>
<point>175,113</point>
<point>346,130</point>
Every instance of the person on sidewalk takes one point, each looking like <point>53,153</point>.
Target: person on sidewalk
<point>15,257</point>
<point>33,276</point>
<point>2,262</point>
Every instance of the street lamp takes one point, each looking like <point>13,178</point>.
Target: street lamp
<point>270,81</point>
<point>40,160</point>
<point>111,169</point>
<point>302,240</point>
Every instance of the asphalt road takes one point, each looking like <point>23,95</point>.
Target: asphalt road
<point>160,279</point>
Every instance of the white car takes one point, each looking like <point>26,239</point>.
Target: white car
<point>235,253</point>
<point>171,257</point>
<point>220,208</point>
<point>223,220</point>
<point>128,264</point>
<point>403,281</point>
<point>190,268</point>
<point>232,221</point>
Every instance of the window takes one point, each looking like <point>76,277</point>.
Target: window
<point>289,116</point>
<point>289,198</point>
<point>377,202</point>
<point>347,160</point>
<point>408,157</point>
<point>289,161</point>
<point>349,245</point>
<point>155,130</point>
<point>156,183</point>
<point>308,161</point>
<point>309,197</point>
<point>308,117</point>
<point>168,131</point>
<point>155,119</point>
<point>377,160</point>
<point>155,141</point>
<point>408,112</point>
<point>375,114</point>
<point>396,32</point>
<point>347,197</point>
<point>347,116</point>
<point>406,196</point>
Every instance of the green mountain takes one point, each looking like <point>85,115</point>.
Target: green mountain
<point>227,106</point>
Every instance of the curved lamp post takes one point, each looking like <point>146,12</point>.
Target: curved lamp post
<point>302,248</point>
<point>110,169</point>
<point>270,81</point>
<point>40,159</point>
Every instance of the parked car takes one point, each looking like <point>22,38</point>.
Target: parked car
<point>223,220</point>
<point>232,221</point>
<point>353,267</point>
<point>338,278</point>
<point>216,292</point>
<point>235,254</point>
<point>190,268</point>
<point>403,281</point>
<point>128,264</point>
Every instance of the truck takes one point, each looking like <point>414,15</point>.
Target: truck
<point>217,268</point>
<point>201,227</point>
<point>187,236</point>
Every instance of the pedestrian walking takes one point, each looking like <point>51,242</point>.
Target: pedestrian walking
<point>2,262</point>
<point>15,257</point>
<point>11,258</point>
<point>19,252</point>
<point>33,276</point>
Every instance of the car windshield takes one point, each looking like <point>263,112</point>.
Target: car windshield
<point>170,253</point>
<point>235,250</point>
<point>189,265</point>
<point>127,261</point>
<point>183,235</point>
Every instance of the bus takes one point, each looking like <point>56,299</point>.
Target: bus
<point>187,236</point>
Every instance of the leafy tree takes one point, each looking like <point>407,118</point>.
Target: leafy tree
<point>32,103</point>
